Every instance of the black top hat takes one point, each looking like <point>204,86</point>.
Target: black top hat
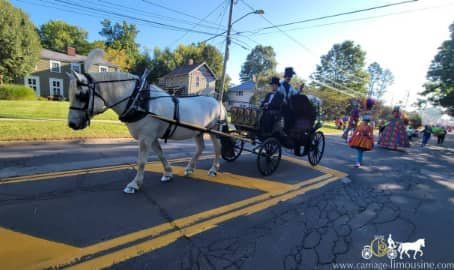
<point>289,72</point>
<point>275,80</point>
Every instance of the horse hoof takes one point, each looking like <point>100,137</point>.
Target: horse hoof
<point>166,178</point>
<point>129,190</point>
<point>188,172</point>
<point>212,173</point>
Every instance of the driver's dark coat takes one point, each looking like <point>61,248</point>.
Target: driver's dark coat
<point>276,102</point>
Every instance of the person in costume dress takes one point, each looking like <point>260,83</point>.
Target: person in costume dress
<point>352,120</point>
<point>362,139</point>
<point>394,134</point>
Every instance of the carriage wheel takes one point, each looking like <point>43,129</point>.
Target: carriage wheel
<point>317,148</point>
<point>268,156</point>
<point>237,149</point>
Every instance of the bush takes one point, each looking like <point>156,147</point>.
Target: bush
<point>16,92</point>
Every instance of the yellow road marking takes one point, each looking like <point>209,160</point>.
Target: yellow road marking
<point>150,245</point>
<point>21,251</point>
<point>187,226</point>
<point>225,178</point>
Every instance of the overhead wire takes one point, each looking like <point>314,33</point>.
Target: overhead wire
<point>152,23</point>
<point>301,45</point>
<point>197,24</point>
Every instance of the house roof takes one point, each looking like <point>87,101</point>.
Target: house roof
<point>245,86</point>
<point>58,56</point>
<point>186,69</point>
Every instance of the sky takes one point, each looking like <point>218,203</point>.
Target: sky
<point>402,38</point>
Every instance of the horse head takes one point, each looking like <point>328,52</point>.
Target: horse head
<point>83,103</point>
<point>422,242</point>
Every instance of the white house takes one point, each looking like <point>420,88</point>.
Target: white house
<point>240,95</point>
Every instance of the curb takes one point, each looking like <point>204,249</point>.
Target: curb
<point>68,141</point>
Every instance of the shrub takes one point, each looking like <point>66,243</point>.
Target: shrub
<point>16,92</point>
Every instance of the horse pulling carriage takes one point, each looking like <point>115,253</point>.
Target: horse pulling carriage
<point>246,123</point>
<point>151,113</point>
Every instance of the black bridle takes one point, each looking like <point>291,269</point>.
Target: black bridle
<point>88,97</point>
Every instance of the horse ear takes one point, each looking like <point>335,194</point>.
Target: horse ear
<point>70,76</point>
<point>76,75</point>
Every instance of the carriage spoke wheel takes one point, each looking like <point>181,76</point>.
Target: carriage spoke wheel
<point>237,149</point>
<point>317,148</point>
<point>268,156</point>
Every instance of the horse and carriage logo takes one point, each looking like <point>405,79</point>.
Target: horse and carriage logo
<point>392,249</point>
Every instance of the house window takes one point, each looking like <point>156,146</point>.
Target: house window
<point>239,93</point>
<point>103,69</point>
<point>33,82</point>
<point>55,66</point>
<point>56,87</point>
<point>197,82</point>
<point>76,67</point>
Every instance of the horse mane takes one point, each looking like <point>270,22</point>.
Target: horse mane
<point>112,76</point>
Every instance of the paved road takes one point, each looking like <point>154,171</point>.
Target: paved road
<point>61,206</point>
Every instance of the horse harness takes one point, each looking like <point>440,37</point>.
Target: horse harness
<point>136,108</point>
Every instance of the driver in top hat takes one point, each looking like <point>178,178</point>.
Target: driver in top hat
<point>288,91</point>
<point>286,88</point>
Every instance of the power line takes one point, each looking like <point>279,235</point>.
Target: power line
<point>338,14</point>
<point>155,15</point>
<point>150,22</point>
<point>172,10</point>
<point>300,44</point>
<point>200,21</point>
<point>352,20</point>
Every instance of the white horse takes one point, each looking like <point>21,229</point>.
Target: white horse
<point>415,246</point>
<point>113,89</point>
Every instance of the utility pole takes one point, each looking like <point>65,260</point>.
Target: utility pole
<point>226,54</point>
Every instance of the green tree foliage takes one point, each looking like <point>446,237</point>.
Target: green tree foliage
<point>440,86</point>
<point>261,60</point>
<point>343,66</point>
<point>19,43</point>
<point>379,80</point>
<point>121,37</point>
<point>165,60</point>
<point>58,35</point>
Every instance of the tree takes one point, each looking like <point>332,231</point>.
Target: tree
<point>58,35</point>
<point>379,80</point>
<point>343,67</point>
<point>19,43</point>
<point>261,60</point>
<point>121,37</point>
<point>118,57</point>
<point>439,89</point>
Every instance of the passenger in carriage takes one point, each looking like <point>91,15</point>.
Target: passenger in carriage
<point>271,106</point>
<point>288,91</point>
<point>305,115</point>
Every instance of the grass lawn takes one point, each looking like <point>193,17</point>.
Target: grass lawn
<point>42,109</point>
<point>25,126</point>
<point>28,130</point>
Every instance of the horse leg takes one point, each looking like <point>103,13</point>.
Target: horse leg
<point>167,175</point>
<point>406,253</point>
<point>217,155</point>
<point>136,183</point>
<point>199,146</point>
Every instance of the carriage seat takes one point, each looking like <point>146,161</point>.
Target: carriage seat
<point>304,113</point>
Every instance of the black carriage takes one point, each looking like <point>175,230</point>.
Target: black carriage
<point>246,122</point>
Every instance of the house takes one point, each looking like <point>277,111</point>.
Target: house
<point>240,95</point>
<point>189,79</point>
<point>49,78</point>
